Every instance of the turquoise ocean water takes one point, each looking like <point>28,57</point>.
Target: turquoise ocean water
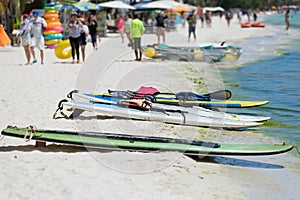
<point>271,71</point>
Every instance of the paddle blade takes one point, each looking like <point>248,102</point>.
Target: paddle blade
<point>222,95</point>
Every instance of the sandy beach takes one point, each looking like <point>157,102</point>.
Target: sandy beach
<point>30,95</point>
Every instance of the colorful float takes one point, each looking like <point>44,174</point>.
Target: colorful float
<point>4,39</point>
<point>54,27</point>
<point>258,24</point>
<point>246,25</point>
<point>63,49</point>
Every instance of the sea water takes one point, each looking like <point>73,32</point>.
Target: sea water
<point>270,70</point>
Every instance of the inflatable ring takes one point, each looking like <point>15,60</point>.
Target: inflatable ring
<point>51,12</point>
<point>51,32</point>
<point>58,29</point>
<point>63,50</point>
<point>53,36</point>
<point>48,21</point>
<point>258,24</point>
<point>54,24</point>
<point>51,42</point>
<point>51,16</point>
<point>53,46</point>
<point>50,8</point>
<point>246,25</point>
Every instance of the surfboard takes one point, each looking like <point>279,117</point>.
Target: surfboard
<point>206,104</point>
<point>144,143</point>
<point>195,109</point>
<point>166,116</point>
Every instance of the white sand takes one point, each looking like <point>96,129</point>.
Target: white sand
<point>30,95</point>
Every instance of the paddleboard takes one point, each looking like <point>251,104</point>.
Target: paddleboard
<point>195,109</point>
<point>212,104</point>
<point>206,104</point>
<point>181,118</point>
<point>145,143</point>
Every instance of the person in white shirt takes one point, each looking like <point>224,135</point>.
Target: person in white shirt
<point>25,29</point>
<point>38,24</point>
<point>84,31</point>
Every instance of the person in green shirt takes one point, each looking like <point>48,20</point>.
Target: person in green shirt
<point>136,33</point>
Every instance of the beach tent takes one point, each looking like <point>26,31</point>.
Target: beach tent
<point>85,5</point>
<point>162,4</point>
<point>116,4</point>
<point>213,9</point>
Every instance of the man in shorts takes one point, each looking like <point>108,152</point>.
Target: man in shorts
<point>160,23</point>
<point>37,35</point>
<point>136,33</point>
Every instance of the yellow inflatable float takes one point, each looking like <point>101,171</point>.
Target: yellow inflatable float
<point>63,50</point>
<point>150,52</point>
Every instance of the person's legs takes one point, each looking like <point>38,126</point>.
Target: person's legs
<point>158,35</point>
<point>33,54</point>
<point>136,55</point>
<point>73,47</point>
<point>32,46</point>
<point>77,43</point>
<point>27,53</point>
<point>42,56</point>
<point>163,35</point>
<point>135,47</point>
<point>122,35</point>
<point>94,41</point>
<point>139,47</point>
<point>83,52</point>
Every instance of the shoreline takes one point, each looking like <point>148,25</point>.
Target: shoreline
<point>66,173</point>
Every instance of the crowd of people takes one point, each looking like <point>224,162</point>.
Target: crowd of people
<point>79,27</point>
<point>31,34</point>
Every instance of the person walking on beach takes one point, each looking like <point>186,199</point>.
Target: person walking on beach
<point>37,39</point>
<point>160,24</point>
<point>136,33</point>
<point>92,24</point>
<point>254,16</point>
<point>25,29</point>
<point>74,35</point>
<point>287,21</point>
<point>121,27</point>
<point>127,28</point>
<point>84,31</point>
<point>192,20</point>
<point>200,15</point>
<point>208,18</point>
<point>228,17</point>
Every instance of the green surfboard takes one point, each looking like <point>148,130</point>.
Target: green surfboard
<point>144,143</point>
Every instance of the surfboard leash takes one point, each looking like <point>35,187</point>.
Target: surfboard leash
<point>60,109</point>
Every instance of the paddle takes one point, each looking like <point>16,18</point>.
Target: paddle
<point>221,95</point>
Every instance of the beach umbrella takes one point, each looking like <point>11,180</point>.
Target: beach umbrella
<point>162,4</point>
<point>86,5</point>
<point>116,4</point>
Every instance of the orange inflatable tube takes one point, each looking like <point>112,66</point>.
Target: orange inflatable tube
<point>54,24</point>
<point>50,21</point>
<point>50,16</point>
<point>51,12</point>
<point>4,39</point>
